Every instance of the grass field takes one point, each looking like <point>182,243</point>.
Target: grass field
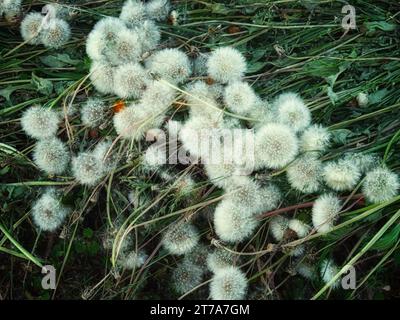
<point>289,45</point>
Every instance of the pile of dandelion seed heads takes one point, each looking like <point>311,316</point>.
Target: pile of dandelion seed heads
<point>127,62</point>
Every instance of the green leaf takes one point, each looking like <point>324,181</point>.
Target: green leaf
<point>387,240</point>
<point>381,25</point>
<point>59,60</point>
<point>44,86</point>
<point>254,67</point>
<point>322,67</point>
<point>378,96</point>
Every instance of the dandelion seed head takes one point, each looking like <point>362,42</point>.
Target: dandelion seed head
<point>186,276</point>
<point>292,111</point>
<point>226,64</point>
<point>362,99</point>
<point>275,146</point>
<point>341,175</point>
<point>364,162</point>
<point>125,48</point>
<point>170,64</point>
<point>130,80</point>
<point>278,226</point>
<point>198,256</point>
<point>133,13</point>
<point>103,35</point>
<point>328,270</point>
<point>239,97</point>
<point>40,122</point>
<point>51,155</point>
<point>304,174</point>
<point>30,28</point>
<point>315,138</point>
<point>230,225</point>
<point>380,185</point>
<point>229,283</point>
<point>158,95</point>
<point>251,197</point>
<point>219,259</point>
<point>262,113</point>
<point>48,212</point>
<point>158,9</point>
<point>93,112</point>
<point>299,227</point>
<point>132,260</point>
<point>180,238</point>
<point>154,157</point>
<point>149,35</point>
<point>56,33</point>
<point>134,121</point>
<point>325,212</point>
<point>102,76</point>
<point>87,169</point>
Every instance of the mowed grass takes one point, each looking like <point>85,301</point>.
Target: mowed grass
<point>290,46</point>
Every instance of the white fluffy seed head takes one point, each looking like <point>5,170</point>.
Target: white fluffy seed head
<point>230,225</point>
<point>93,112</point>
<point>149,35</point>
<point>186,276</point>
<point>328,270</point>
<point>364,162</point>
<point>219,259</point>
<point>103,35</point>
<point>304,174</point>
<point>306,270</point>
<point>40,122</point>
<point>170,64</point>
<point>198,133</point>
<point>199,64</point>
<point>48,212</point>
<point>158,9</point>
<point>342,175</point>
<point>133,13</point>
<point>132,260</point>
<point>226,64</point>
<point>198,256</point>
<point>325,212</point>
<point>10,8</point>
<point>56,33</point>
<point>380,185</point>
<point>125,48</point>
<point>200,99</point>
<point>180,238</point>
<point>87,169</point>
<point>51,155</point>
<point>239,97</point>
<point>262,114</point>
<point>102,76</point>
<point>135,121</point>
<point>278,226</point>
<point>299,227</point>
<point>103,153</point>
<point>158,95</point>
<point>220,174</point>
<point>315,138</point>
<point>250,197</point>
<point>362,99</point>
<point>130,80</point>
<point>275,146</point>
<point>154,157</point>
<point>292,111</point>
<point>229,283</point>
<point>31,28</point>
